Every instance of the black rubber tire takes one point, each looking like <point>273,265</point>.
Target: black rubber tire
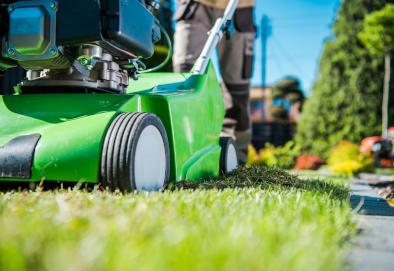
<point>225,142</point>
<point>117,158</point>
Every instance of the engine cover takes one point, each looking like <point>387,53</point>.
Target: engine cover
<point>125,28</point>
<point>32,30</point>
<point>29,30</point>
<point>37,30</point>
<point>87,44</point>
<point>32,35</point>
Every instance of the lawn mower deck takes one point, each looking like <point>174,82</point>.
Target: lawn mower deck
<point>89,111</point>
<point>72,127</point>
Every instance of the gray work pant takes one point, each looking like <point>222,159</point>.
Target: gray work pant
<point>235,59</point>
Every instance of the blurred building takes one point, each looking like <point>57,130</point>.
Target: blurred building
<point>267,128</point>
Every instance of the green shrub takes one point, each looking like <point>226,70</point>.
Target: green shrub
<point>253,156</point>
<point>346,158</point>
<point>283,157</point>
<point>346,98</point>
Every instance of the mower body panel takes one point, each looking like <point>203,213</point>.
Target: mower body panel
<point>72,127</point>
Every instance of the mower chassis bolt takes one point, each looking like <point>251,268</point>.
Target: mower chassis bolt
<point>52,51</point>
<point>10,8</point>
<point>84,61</point>
<point>11,51</point>
<point>53,5</point>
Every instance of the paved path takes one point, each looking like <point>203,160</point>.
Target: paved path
<point>371,203</point>
<point>374,247</point>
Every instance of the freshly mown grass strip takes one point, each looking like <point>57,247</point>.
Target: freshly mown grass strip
<point>269,178</point>
<point>295,225</point>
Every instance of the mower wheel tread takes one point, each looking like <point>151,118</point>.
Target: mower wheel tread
<point>117,162</point>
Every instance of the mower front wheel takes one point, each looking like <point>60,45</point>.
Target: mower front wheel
<point>136,153</point>
<point>228,156</point>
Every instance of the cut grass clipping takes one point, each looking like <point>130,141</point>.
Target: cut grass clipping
<point>265,178</point>
<point>269,221</point>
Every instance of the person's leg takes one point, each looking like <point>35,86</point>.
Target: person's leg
<point>236,63</point>
<point>229,124</point>
<point>190,34</point>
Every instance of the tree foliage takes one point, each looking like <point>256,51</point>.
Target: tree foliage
<point>347,95</point>
<point>288,88</point>
<point>378,32</point>
<point>278,112</point>
<point>377,36</point>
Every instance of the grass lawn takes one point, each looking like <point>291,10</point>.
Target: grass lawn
<point>388,171</point>
<point>327,176</point>
<point>265,220</point>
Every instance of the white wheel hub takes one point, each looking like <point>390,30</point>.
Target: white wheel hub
<point>150,160</point>
<point>231,159</point>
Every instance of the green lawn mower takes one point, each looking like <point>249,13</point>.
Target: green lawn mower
<point>89,110</point>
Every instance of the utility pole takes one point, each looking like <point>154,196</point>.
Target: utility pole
<point>264,36</point>
<point>265,32</point>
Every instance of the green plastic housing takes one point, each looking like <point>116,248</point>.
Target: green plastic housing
<point>73,126</point>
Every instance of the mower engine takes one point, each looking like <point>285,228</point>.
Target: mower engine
<point>72,46</point>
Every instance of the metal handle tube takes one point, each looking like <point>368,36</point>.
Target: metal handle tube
<point>215,35</point>
<point>230,9</point>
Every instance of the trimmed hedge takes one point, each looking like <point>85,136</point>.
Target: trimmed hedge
<point>347,96</point>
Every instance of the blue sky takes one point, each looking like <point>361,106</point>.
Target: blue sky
<point>299,29</point>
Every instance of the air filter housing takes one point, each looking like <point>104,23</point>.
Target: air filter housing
<point>122,27</point>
